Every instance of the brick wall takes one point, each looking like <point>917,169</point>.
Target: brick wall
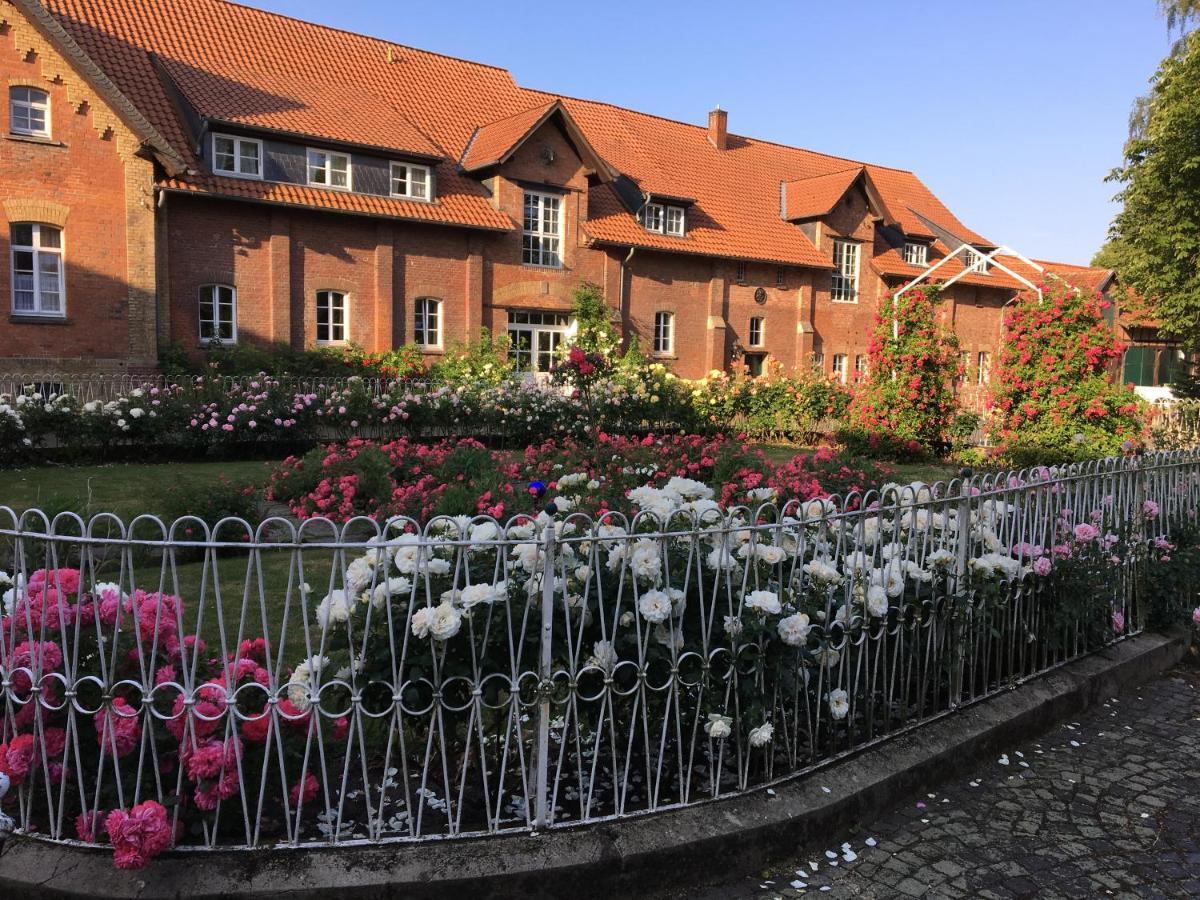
<point>87,180</point>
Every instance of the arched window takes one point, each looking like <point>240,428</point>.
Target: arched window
<point>427,322</point>
<point>37,269</point>
<point>218,313</point>
<point>28,111</point>
<point>331,317</point>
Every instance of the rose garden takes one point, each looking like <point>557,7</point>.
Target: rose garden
<point>389,605</point>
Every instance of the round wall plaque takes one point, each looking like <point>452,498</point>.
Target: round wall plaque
<point>760,295</point>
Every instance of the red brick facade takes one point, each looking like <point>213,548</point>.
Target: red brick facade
<point>136,232</point>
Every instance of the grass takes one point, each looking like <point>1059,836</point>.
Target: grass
<point>125,489</point>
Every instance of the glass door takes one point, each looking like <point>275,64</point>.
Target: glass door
<point>535,339</point>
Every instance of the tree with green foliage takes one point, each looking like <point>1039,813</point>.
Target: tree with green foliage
<point>1155,239</point>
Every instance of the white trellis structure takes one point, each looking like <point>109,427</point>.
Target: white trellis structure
<point>979,265</point>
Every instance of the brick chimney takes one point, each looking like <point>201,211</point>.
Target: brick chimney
<point>718,121</point>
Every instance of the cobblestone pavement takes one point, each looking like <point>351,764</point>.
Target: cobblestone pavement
<point>1105,806</point>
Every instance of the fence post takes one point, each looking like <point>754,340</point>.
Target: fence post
<point>960,616</point>
<point>545,684</point>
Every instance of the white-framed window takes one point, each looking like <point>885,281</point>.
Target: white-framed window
<point>664,219</point>
<point>36,253</point>
<point>975,261</point>
<point>839,367</point>
<point>535,338</point>
<point>818,362</point>
<point>964,362</point>
<point>411,181</point>
<point>740,272</point>
<point>238,156</point>
<point>755,336</point>
<point>916,253</point>
<point>541,237</point>
<point>218,313</point>
<point>332,316</point>
<point>664,333</point>
<point>427,322</point>
<point>676,221</point>
<point>983,367</point>
<point>28,111</point>
<point>652,217</point>
<point>327,168</point>
<point>862,367</point>
<point>845,272</point>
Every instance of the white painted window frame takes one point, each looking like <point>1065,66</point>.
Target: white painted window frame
<point>215,322</point>
<point>329,294</point>
<point>916,253</point>
<point>315,165</point>
<point>756,333</point>
<point>846,259</point>
<point>664,333</point>
<point>38,252</point>
<point>407,181</point>
<point>238,143</point>
<point>839,367</point>
<point>541,243</point>
<point>30,105</point>
<point>425,310</point>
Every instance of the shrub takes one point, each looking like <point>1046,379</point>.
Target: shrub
<point>484,362</point>
<point>1052,389</point>
<point>914,360</point>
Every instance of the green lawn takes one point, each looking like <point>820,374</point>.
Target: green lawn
<point>124,489</point>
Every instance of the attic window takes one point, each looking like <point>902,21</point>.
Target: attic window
<point>663,219</point>
<point>916,253</point>
<point>411,181</point>
<point>329,169</point>
<point>975,261</point>
<point>237,156</point>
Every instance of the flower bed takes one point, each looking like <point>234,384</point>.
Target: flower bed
<point>462,477</point>
<point>231,416</point>
<point>424,683</point>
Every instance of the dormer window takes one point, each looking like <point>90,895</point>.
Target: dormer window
<point>975,261</point>
<point>329,169</point>
<point>663,219</point>
<point>916,253</point>
<point>412,182</point>
<point>237,156</point>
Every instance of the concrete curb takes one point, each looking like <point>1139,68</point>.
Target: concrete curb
<point>618,859</point>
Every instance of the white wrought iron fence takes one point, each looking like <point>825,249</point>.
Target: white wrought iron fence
<point>319,684</point>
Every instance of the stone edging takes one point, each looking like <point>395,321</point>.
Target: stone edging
<point>615,859</point>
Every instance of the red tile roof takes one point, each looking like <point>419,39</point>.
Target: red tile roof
<point>817,195</point>
<point>891,263</point>
<point>265,70</point>
<point>493,142</point>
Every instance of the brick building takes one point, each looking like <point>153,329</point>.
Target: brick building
<point>190,170</point>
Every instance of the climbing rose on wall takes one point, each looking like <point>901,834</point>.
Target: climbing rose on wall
<point>909,395</point>
<point>1053,387</point>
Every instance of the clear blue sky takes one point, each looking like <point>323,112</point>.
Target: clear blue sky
<point>1012,111</point>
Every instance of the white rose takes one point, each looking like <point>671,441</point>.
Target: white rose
<point>877,600</point>
<point>839,704</point>
<point>718,727</point>
<point>474,594</point>
<point>764,601</point>
<point>604,655</point>
<point>394,587</point>
<point>655,606</point>
<point>761,736</point>
<point>333,610</point>
<point>794,629</point>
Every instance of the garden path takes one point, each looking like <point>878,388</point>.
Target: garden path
<point>1105,806</point>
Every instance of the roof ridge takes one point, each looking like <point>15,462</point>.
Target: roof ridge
<point>519,112</point>
<point>1051,262</point>
<point>757,140</point>
<point>370,37</point>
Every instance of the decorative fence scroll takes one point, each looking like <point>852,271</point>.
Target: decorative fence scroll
<point>320,684</point>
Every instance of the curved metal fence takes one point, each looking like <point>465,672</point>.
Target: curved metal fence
<point>282,683</point>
